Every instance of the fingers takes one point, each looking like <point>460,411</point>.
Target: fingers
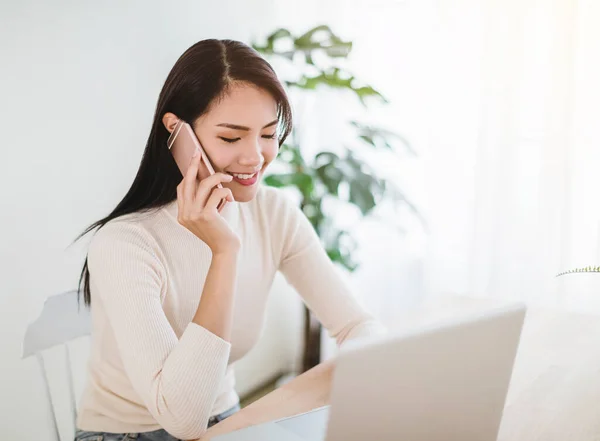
<point>190,179</point>
<point>186,190</point>
<point>216,196</point>
<point>180,202</point>
<point>207,185</point>
<point>193,197</point>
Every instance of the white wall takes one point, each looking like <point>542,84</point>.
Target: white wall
<point>78,86</point>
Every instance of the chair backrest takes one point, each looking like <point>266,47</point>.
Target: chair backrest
<point>62,319</point>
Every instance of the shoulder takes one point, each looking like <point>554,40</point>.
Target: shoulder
<point>286,223</point>
<point>276,202</point>
<point>123,256</point>
<point>123,234</point>
<point>275,216</point>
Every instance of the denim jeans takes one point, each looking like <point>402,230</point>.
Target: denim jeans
<point>157,435</point>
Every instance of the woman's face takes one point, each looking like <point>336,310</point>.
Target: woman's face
<point>239,135</point>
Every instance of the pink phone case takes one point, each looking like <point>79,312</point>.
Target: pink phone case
<point>183,143</point>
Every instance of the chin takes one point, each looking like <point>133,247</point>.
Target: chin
<point>242,193</point>
<point>245,195</point>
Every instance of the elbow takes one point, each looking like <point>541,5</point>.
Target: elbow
<point>184,431</point>
<point>183,419</point>
<point>185,426</point>
<point>358,330</point>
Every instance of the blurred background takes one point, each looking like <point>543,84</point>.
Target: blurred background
<point>492,112</point>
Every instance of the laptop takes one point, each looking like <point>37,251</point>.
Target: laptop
<point>437,382</point>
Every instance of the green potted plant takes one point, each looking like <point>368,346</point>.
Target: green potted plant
<point>330,174</point>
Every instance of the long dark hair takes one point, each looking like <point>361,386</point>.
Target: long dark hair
<point>202,74</point>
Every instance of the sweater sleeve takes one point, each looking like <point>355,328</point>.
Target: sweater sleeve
<point>177,378</point>
<point>307,267</point>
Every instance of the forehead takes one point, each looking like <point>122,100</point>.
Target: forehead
<point>244,105</point>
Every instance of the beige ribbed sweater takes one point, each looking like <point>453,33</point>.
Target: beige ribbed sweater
<point>150,366</point>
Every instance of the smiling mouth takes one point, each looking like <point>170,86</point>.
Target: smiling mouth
<point>243,176</point>
<point>247,180</point>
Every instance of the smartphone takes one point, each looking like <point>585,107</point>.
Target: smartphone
<point>182,143</point>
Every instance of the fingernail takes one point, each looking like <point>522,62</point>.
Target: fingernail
<point>196,153</point>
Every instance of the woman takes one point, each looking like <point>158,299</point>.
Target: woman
<point>178,289</point>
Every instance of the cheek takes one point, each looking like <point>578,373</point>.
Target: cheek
<point>220,157</point>
<point>270,152</point>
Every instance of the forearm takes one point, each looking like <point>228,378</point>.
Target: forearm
<point>215,310</point>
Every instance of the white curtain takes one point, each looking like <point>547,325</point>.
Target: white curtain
<point>501,98</point>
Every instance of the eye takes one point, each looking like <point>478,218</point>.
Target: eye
<point>270,136</point>
<point>229,140</point>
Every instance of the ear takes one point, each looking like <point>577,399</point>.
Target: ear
<point>170,121</point>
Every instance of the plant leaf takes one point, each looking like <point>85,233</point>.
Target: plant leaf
<point>373,136</point>
<point>331,177</point>
<point>322,38</point>
<point>303,181</point>
<point>340,249</point>
<point>361,196</point>
<point>365,92</point>
<point>588,269</point>
<point>294,153</point>
<point>269,46</point>
<point>326,158</point>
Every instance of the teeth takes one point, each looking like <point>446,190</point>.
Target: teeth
<point>240,176</point>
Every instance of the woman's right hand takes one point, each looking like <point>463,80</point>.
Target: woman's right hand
<point>197,205</point>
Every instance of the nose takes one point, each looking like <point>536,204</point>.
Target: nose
<point>252,156</point>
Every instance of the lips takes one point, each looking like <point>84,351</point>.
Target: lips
<point>245,179</point>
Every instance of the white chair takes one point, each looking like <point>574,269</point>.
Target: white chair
<point>62,319</point>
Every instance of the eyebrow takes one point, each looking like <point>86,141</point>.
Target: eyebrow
<point>247,129</point>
